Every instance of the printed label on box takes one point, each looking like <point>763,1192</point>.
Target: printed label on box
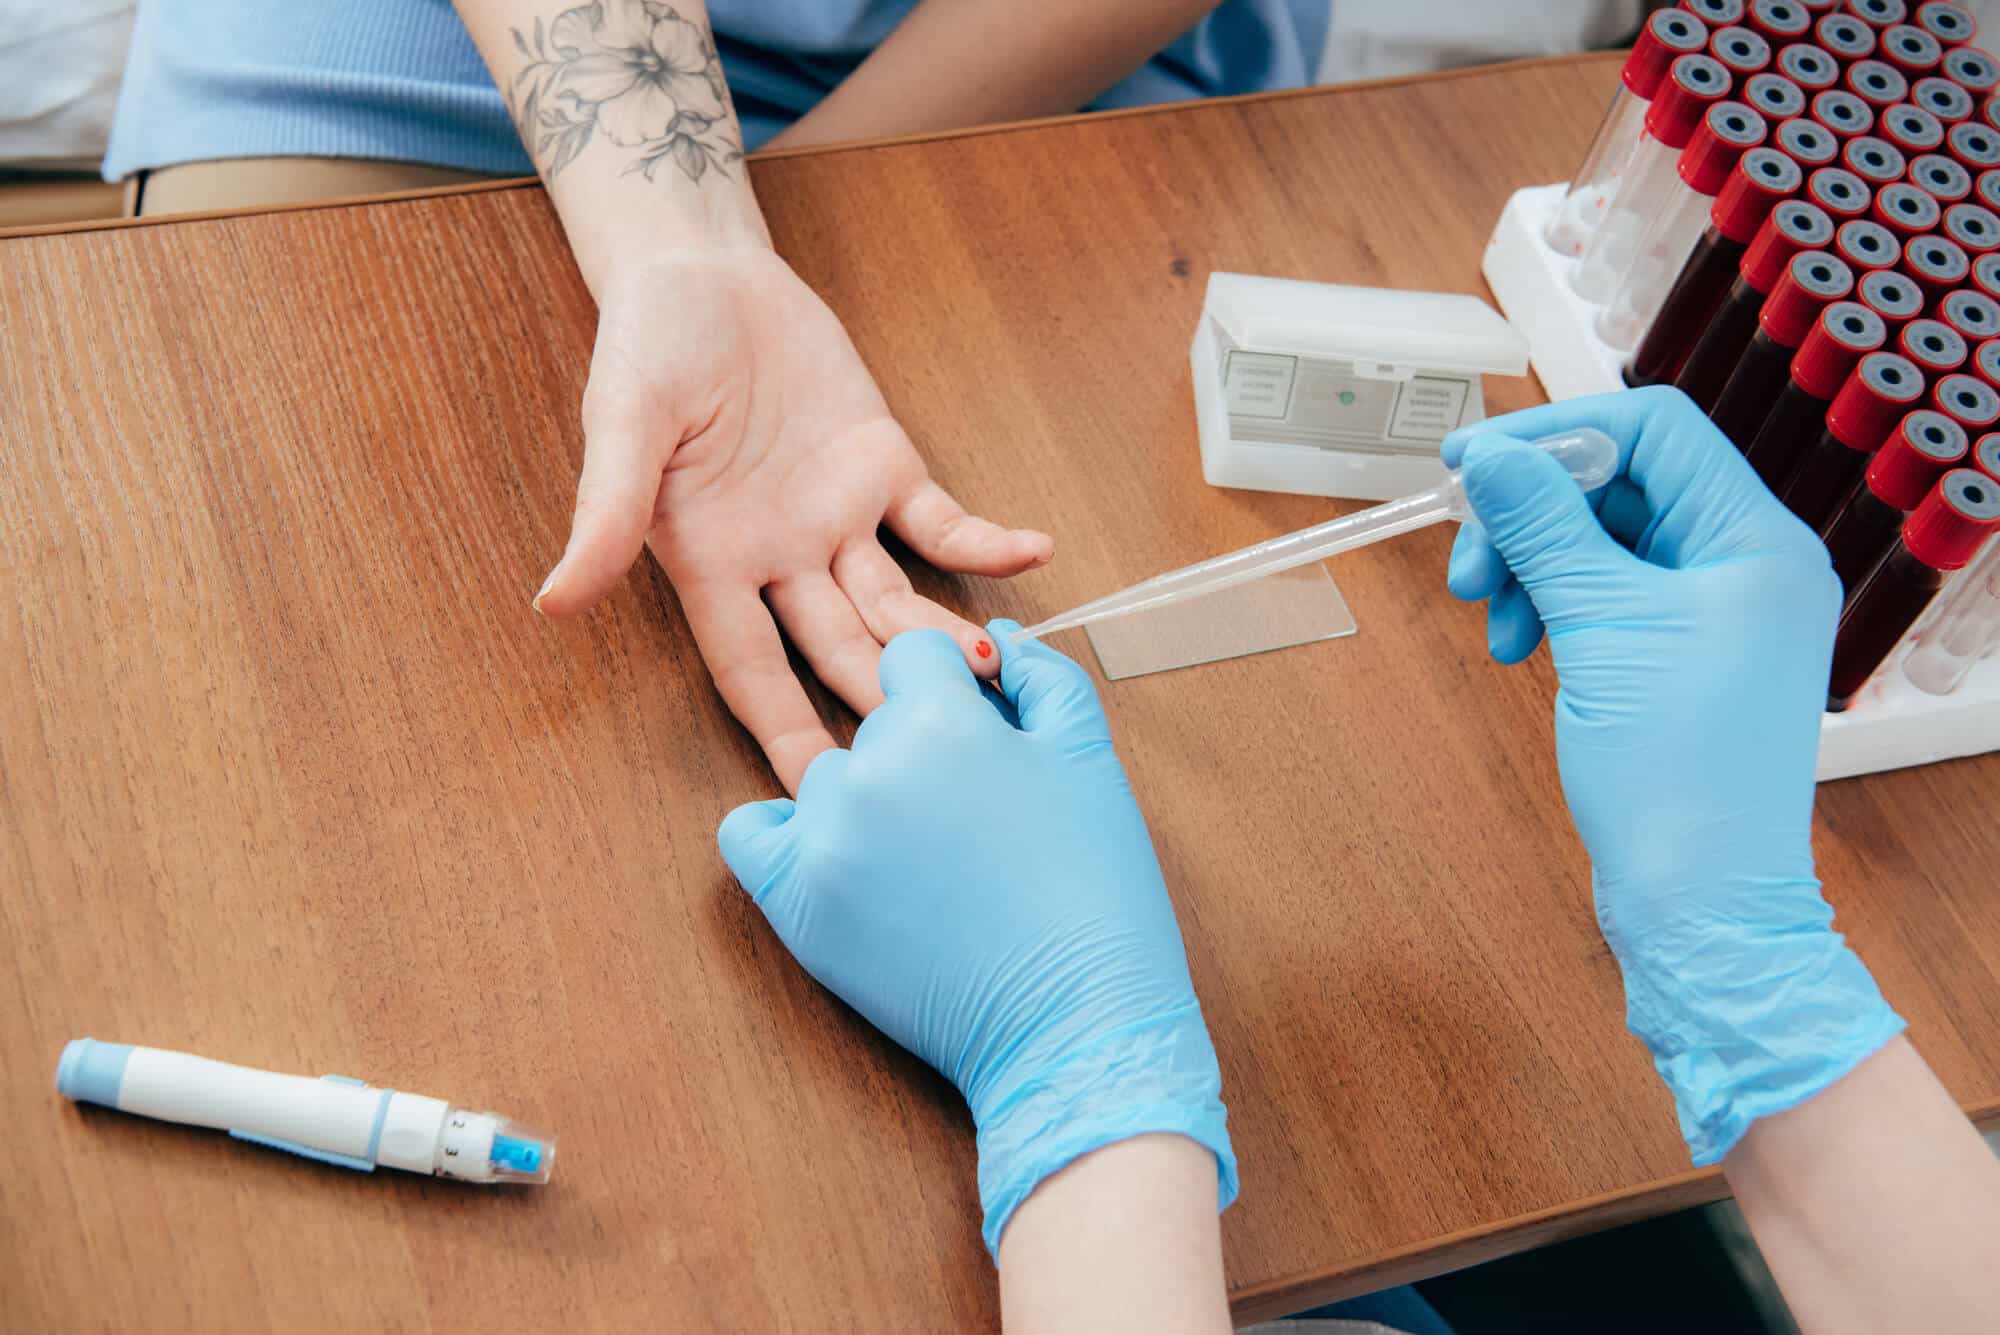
<point>1429,408</point>
<point>1325,404</point>
<point>1258,384</point>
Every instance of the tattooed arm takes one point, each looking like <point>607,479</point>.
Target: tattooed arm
<point>729,424</point>
<point>975,62</point>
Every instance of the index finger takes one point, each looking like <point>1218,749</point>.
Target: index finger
<point>739,642</point>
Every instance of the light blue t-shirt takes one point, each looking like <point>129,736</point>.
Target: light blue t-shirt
<point>401,79</point>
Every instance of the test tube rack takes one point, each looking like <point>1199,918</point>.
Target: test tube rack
<point>1892,724</point>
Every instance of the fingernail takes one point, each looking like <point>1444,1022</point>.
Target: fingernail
<point>984,649</point>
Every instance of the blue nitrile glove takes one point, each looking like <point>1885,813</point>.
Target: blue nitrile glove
<point>987,896</point>
<point>1691,618</point>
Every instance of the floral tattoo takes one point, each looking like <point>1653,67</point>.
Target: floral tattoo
<point>635,72</point>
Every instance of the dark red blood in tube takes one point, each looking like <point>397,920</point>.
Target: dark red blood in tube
<point>1942,535</point>
<point>1879,391</point>
<point>1811,282</point>
<point>1845,333</point>
<point>1922,449</point>
<point>1794,226</point>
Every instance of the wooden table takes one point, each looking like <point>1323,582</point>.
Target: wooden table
<point>291,775</point>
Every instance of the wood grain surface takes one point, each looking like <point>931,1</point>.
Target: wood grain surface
<point>290,774</point>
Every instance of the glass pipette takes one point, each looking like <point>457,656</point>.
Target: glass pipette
<point>1590,456</point>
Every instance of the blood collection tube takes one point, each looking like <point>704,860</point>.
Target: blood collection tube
<point>1942,535</point>
<point>1973,315</point>
<point>1867,245</point>
<point>1806,142</point>
<point>1716,13</point>
<point>1879,84</point>
<point>1762,178</point>
<point>1986,361</point>
<point>1912,129</point>
<point>1727,132</point>
<point>1668,33</point>
<point>1964,629</point>
<point>1974,227</point>
<point>1811,282</point>
<point>1924,446</point>
<point>1843,113</point>
<point>1877,393</point>
<point>1950,24</point>
<point>1986,188</point>
<point>1876,161</point>
<point>1812,68</point>
<point>1971,69</point>
<point>1840,192</point>
<point>1892,295</point>
<point>1845,332</point>
<point>1793,228</point>
<point>1976,146</point>
<point>1774,97</point>
<point>1940,177</point>
<point>1986,455</point>
<point>1914,52</point>
<point>1968,401</point>
<point>1781,22</point>
<point>1741,51</point>
<point>1847,37</point>
<point>1879,14</point>
<point>1934,346</point>
<point>1943,99</point>
<point>1649,182</point>
<point>1906,210</point>
<point>1938,263</point>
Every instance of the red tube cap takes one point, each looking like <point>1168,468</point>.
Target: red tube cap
<point>1938,263</point>
<point>1716,13</point>
<point>1986,186</point>
<point>1971,69</point>
<point>1727,131</point>
<point>1840,192</point>
<point>1843,113</point>
<point>1807,142</point>
<point>1812,281</point>
<point>1949,526</point>
<point>1933,346</point>
<point>1762,178</point>
<point>1974,145</point>
<point>1968,401</point>
<point>1912,129</point>
<point>1916,454</point>
<point>1879,13</point>
<point>1941,178</point>
<point>1741,51</point>
<point>1874,397</point>
<point>1812,68</point>
<point>1846,36</point>
<point>1986,361</point>
<point>1867,246</point>
<point>1793,226</point>
<point>1878,84</point>
<point>1943,99</point>
<point>1986,275</point>
<point>1910,49</point>
<point>1986,455</point>
<point>1775,97</point>
<point>1692,85</point>
<point>1780,21</point>
<point>1669,33</point>
<point>1906,210</point>
<point>1893,296</point>
<point>1972,313</point>
<point>1975,227</point>
<point>1949,23</point>
<point>1845,332</point>
<point>1876,161</point>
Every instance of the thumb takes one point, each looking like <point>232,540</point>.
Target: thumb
<point>756,841</point>
<point>1050,693</point>
<point>615,498</point>
<point>1533,512</point>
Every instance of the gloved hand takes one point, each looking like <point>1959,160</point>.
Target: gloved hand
<point>986,894</point>
<point>1691,618</point>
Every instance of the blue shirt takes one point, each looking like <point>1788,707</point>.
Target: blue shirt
<point>401,79</point>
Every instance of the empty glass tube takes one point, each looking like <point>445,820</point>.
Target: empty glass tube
<point>1965,629</point>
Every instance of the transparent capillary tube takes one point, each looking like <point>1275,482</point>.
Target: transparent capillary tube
<point>1964,629</point>
<point>1590,456</point>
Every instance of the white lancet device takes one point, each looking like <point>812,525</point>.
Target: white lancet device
<point>334,1119</point>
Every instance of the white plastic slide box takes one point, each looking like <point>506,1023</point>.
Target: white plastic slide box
<point>1891,724</point>
<point>1326,390</point>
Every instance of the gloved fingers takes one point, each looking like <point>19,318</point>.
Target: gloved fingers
<point>925,663</point>
<point>1622,509</point>
<point>824,775</point>
<point>1534,515</point>
<point>1621,416</point>
<point>1476,571</point>
<point>1513,626</point>
<point>1051,693</point>
<point>756,842</point>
